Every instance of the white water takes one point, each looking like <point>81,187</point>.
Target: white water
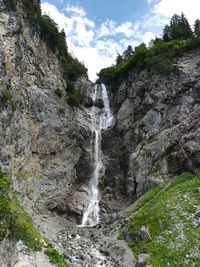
<point>91,215</point>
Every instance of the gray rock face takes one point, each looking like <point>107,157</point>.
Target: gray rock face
<point>157,132</point>
<point>44,143</point>
<point>15,254</point>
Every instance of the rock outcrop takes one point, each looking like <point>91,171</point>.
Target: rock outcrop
<point>157,132</point>
<point>44,142</point>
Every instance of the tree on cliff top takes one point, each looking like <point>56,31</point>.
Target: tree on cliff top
<point>178,29</point>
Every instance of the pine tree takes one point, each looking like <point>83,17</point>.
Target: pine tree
<point>178,29</point>
<point>127,53</point>
<point>186,31</point>
<point>119,59</point>
<point>166,33</point>
<point>197,27</point>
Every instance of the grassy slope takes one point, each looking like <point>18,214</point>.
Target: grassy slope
<point>16,223</point>
<point>168,216</point>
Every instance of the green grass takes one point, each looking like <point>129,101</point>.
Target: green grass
<point>55,257</point>
<point>17,224</point>
<point>168,216</point>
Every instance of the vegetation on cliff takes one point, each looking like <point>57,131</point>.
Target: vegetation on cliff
<point>17,224</point>
<point>159,56</point>
<point>168,214</point>
<point>71,67</point>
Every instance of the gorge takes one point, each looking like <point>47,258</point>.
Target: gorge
<point>103,174</point>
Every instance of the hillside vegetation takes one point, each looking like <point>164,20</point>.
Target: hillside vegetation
<point>160,55</point>
<point>170,216</point>
<point>15,223</point>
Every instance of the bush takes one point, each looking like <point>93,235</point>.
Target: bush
<point>55,257</point>
<point>75,98</point>
<point>58,92</point>
<point>159,57</point>
<point>5,94</point>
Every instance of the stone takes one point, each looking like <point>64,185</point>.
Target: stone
<point>142,260</point>
<point>196,223</point>
<point>127,234</point>
<point>197,213</point>
<point>143,234</point>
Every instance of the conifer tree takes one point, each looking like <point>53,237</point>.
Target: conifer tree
<point>127,53</point>
<point>178,28</point>
<point>119,59</point>
<point>197,28</point>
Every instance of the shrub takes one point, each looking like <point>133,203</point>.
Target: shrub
<point>14,218</point>
<point>58,92</point>
<point>5,94</point>
<point>75,98</point>
<point>55,257</point>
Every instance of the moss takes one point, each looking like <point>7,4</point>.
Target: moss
<point>168,215</point>
<point>157,174</point>
<point>55,257</point>
<point>16,221</point>
<point>75,98</point>
<point>58,92</point>
<point>5,94</point>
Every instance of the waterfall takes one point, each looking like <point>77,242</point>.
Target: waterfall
<point>91,215</point>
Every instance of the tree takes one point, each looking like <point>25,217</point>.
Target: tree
<point>197,28</point>
<point>186,29</point>
<point>127,53</point>
<point>119,59</point>
<point>178,28</point>
<point>63,35</point>
<point>166,33</point>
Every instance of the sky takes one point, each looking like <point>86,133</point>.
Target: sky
<point>97,30</point>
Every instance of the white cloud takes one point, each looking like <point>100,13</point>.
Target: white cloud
<point>167,8</point>
<point>97,46</point>
<point>106,28</point>
<point>127,28</point>
<point>76,10</point>
<point>147,37</point>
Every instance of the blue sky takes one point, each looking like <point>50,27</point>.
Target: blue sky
<point>97,30</point>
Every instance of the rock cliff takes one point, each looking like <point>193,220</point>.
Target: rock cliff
<point>157,131</point>
<point>45,144</point>
<point>44,141</point>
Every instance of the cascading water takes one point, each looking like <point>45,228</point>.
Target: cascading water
<point>91,215</point>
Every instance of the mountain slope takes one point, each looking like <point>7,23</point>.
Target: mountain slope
<point>164,225</point>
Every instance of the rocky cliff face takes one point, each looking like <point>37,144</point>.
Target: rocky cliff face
<point>157,132</point>
<point>44,143</point>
